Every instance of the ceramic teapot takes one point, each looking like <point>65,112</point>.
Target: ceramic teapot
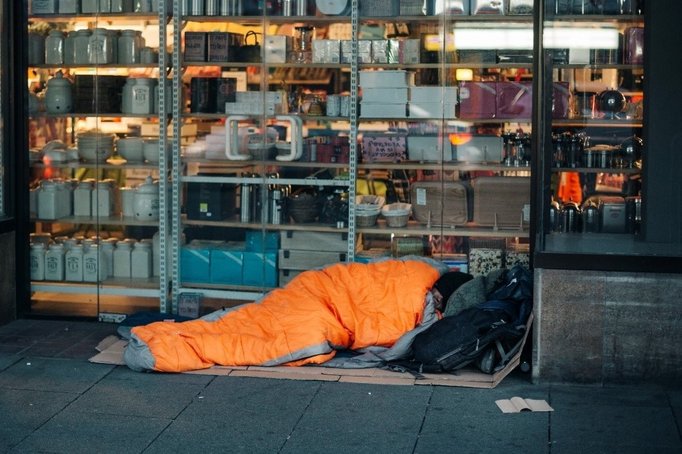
<point>58,96</point>
<point>146,201</point>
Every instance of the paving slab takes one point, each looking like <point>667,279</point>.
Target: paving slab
<point>72,432</point>
<point>468,420</point>
<point>24,411</point>
<point>624,419</point>
<point>344,417</point>
<point>158,396</point>
<point>52,374</point>
<point>7,360</point>
<point>239,415</point>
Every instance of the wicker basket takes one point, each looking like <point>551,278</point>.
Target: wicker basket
<point>396,214</point>
<point>365,219</point>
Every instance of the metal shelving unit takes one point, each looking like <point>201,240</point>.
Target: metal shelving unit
<point>156,287</point>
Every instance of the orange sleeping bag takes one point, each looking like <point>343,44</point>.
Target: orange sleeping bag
<point>344,306</point>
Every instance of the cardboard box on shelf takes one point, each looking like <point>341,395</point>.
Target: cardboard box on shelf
<point>383,110</point>
<point>226,265</point>
<point>314,241</point>
<point>429,94</point>
<point>386,78</point>
<point>477,100</point>
<point>260,269</point>
<point>196,47</point>
<point>428,148</point>
<point>381,95</point>
<point>432,110</point>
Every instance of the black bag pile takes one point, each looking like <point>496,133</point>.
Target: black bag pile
<point>489,334</point>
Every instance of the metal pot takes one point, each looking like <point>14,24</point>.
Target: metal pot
<point>590,217</point>
<point>570,217</point>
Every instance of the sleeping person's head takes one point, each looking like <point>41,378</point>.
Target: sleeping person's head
<point>446,285</point>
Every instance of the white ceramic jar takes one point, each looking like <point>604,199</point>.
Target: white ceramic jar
<point>37,261</point>
<point>147,201</point>
<point>80,46</point>
<point>101,200</point>
<point>127,95</point>
<point>58,95</point>
<point>73,263</point>
<point>141,259</point>
<point>89,6</point>
<point>107,248</point>
<point>69,6</point>
<point>94,268</point>
<point>149,55</point>
<point>100,47</point>
<point>54,48</point>
<point>122,258</point>
<point>127,202</point>
<point>129,47</point>
<point>47,200</point>
<point>36,49</point>
<point>44,6</point>
<point>82,198</point>
<point>69,41</point>
<point>142,101</point>
<point>104,6</point>
<point>121,6</point>
<point>114,34</point>
<point>142,6</point>
<point>54,262</point>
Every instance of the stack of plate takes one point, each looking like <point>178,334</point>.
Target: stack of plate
<point>95,146</point>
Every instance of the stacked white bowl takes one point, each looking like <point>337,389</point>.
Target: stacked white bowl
<point>95,146</point>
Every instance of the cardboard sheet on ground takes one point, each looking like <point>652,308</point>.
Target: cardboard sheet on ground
<point>110,351</point>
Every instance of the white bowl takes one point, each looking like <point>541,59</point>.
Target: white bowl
<point>151,150</point>
<point>99,153</point>
<point>131,149</point>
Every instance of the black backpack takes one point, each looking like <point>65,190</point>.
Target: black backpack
<point>489,333</point>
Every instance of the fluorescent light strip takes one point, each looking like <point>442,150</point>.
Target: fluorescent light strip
<point>522,38</point>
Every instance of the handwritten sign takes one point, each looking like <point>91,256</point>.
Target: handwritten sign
<point>384,147</point>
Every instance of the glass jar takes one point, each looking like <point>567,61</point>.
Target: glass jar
<point>54,48</point>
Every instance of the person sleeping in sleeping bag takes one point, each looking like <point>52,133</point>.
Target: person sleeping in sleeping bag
<point>362,307</point>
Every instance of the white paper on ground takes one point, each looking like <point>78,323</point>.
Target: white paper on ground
<point>519,404</point>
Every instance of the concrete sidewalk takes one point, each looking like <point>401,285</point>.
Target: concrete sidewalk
<point>53,400</point>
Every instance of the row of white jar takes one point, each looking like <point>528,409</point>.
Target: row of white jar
<point>85,46</point>
<point>57,198</point>
<point>93,6</point>
<point>93,261</point>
